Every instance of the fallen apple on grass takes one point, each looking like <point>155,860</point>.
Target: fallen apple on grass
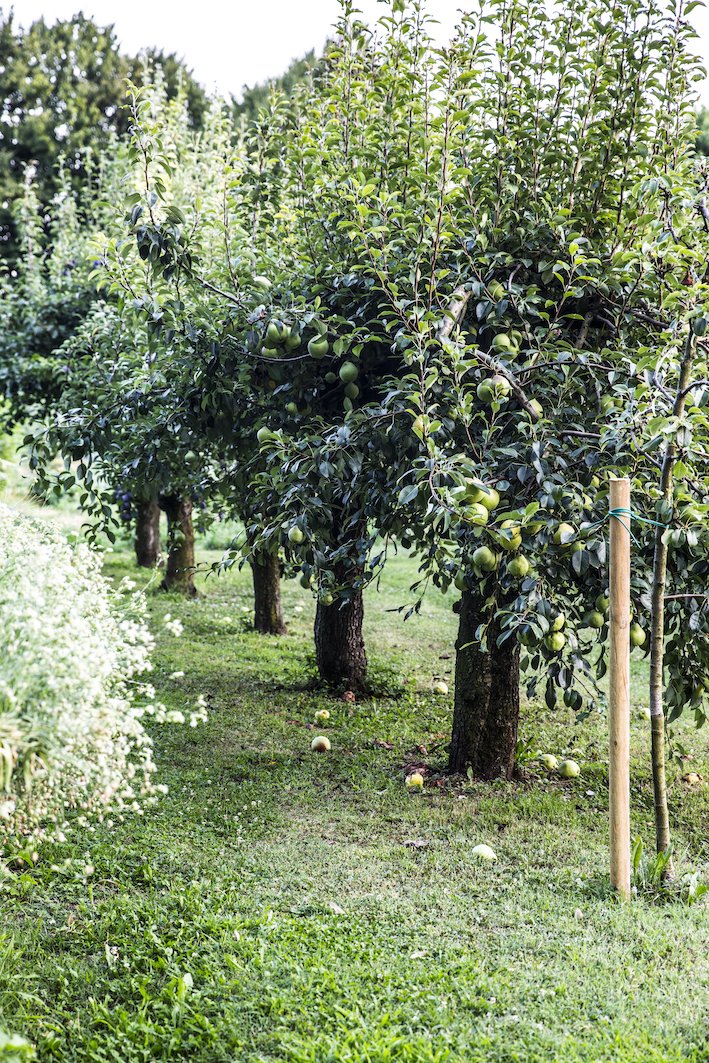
<point>484,852</point>
<point>320,744</point>
<point>549,761</point>
<point>569,769</point>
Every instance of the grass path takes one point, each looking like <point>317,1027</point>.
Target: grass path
<point>283,906</point>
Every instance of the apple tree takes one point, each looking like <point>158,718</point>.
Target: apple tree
<point>530,325</point>
<point>533,325</point>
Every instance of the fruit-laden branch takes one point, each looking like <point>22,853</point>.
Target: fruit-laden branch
<point>657,637</point>
<point>453,316</point>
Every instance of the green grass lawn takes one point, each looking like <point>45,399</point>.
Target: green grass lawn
<point>283,906</point>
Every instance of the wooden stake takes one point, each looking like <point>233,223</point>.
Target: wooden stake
<point>619,690</point>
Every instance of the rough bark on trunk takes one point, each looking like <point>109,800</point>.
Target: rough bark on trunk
<point>179,572</point>
<point>339,643</point>
<point>657,632</point>
<point>268,613</point>
<point>486,706</point>
<point>147,534</point>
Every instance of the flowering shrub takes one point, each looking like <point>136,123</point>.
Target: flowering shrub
<point>72,700</point>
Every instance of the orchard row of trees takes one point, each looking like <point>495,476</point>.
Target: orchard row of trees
<point>431,300</point>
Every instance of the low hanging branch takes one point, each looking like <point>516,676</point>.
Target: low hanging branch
<point>453,317</point>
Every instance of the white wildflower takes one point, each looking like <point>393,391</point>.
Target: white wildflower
<point>71,652</point>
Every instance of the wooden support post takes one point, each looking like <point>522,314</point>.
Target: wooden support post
<point>619,690</point>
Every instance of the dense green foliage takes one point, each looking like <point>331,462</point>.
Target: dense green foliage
<point>468,318</point>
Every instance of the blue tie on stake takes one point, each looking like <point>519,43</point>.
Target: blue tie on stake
<point>621,512</point>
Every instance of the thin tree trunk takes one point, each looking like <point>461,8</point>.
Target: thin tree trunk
<point>657,633</point>
<point>179,572</point>
<point>339,643</point>
<point>486,705</point>
<point>147,534</point>
<point>268,613</point>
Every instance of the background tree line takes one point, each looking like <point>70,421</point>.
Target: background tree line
<point>63,97</point>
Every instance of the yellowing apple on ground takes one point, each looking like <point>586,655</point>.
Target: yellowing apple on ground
<point>569,769</point>
<point>320,744</point>
<point>414,781</point>
<point>322,715</point>
<point>484,852</point>
<point>549,761</point>
<point>440,687</point>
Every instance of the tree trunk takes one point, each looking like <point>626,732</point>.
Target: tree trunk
<point>268,614</point>
<point>179,573</point>
<point>147,534</point>
<point>486,706</point>
<point>339,643</point>
<point>657,632</point>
